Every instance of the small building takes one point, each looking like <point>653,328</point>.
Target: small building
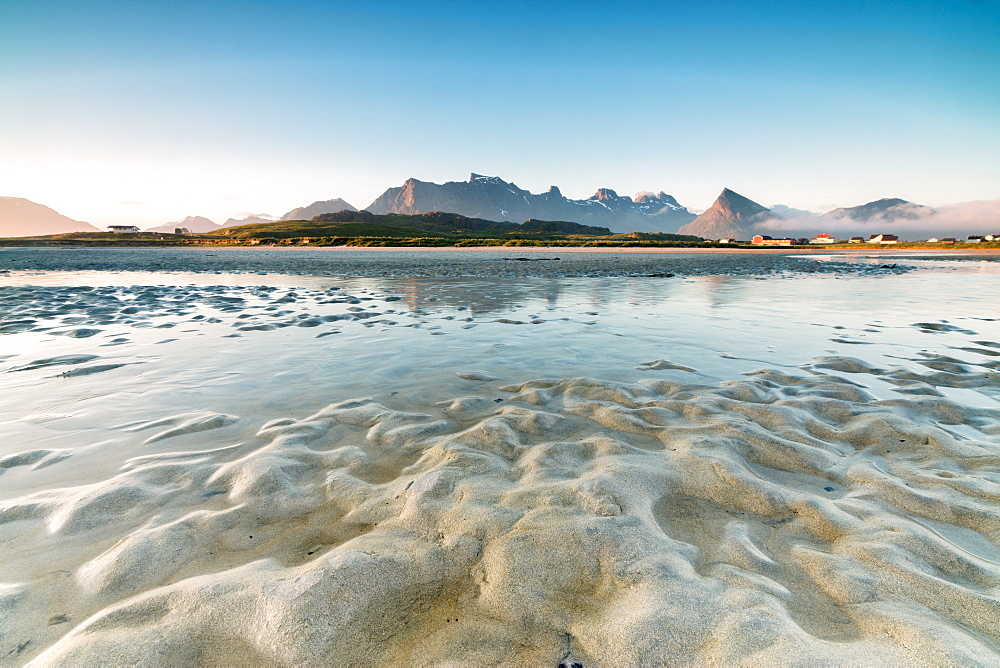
<point>764,240</point>
<point>856,240</point>
<point>823,239</point>
<point>933,240</point>
<point>974,239</point>
<point>123,229</point>
<point>948,240</point>
<point>726,241</point>
<point>991,237</point>
<point>883,239</point>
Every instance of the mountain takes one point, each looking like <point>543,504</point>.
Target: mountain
<point>20,217</point>
<point>193,224</point>
<point>732,215</point>
<point>886,210</point>
<point>251,219</point>
<point>318,208</point>
<point>492,198</point>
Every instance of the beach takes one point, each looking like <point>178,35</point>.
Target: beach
<point>514,456</point>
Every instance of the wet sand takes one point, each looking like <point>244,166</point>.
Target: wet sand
<point>507,263</point>
<point>790,463</point>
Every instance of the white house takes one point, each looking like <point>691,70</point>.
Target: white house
<point>123,229</point>
<point>823,239</point>
<point>883,239</point>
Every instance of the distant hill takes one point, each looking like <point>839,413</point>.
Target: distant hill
<point>318,208</point>
<point>365,223</point>
<point>492,198</point>
<point>732,215</point>
<point>193,224</point>
<point>887,210</point>
<point>21,217</point>
<point>252,219</point>
<point>453,223</point>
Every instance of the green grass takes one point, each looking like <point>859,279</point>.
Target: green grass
<point>426,230</point>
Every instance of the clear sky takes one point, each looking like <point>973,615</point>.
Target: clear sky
<point>148,111</point>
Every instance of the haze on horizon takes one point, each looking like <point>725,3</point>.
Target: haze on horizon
<point>149,112</point>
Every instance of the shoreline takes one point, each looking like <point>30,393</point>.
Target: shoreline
<point>935,252</point>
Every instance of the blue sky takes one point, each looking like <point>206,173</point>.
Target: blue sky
<point>149,111</point>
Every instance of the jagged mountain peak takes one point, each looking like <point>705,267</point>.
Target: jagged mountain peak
<point>734,205</point>
<point>606,194</point>
<point>485,179</point>
<point>658,198</point>
<point>731,215</point>
<point>492,198</point>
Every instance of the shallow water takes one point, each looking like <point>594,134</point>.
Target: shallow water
<point>99,370</point>
<point>489,263</point>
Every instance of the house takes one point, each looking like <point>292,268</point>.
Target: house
<point>933,240</point>
<point>948,240</point>
<point>823,239</point>
<point>991,237</point>
<point>883,239</point>
<point>726,241</point>
<point>974,239</point>
<point>764,240</point>
<point>123,229</point>
<point>856,240</point>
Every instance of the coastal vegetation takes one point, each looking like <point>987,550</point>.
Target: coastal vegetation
<point>365,229</point>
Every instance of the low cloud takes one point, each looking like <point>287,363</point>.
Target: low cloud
<point>957,220</point>
<point>251,214</point>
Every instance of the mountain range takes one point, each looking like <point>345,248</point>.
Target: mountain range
<point>492,198</point>
<point>202,225</point>
<point>734,216</point>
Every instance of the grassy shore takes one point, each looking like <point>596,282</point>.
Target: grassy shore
<point>389,238</point>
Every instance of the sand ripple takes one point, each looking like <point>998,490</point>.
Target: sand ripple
<point>580,519</point>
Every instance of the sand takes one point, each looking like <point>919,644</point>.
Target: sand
<point>774,468</point>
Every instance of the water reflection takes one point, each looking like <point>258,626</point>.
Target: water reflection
<point>723,290</point>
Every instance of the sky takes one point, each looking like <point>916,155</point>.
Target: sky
<point>144,112</point>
